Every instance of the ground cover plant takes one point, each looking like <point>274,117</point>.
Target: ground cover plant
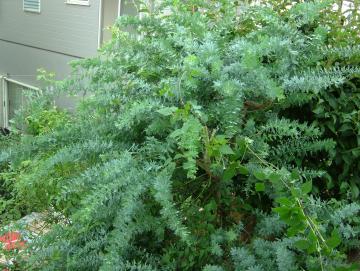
<point>220,136</point>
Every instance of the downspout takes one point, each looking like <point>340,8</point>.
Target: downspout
<point>119,8</point>
<point>4,101</point>
<point>100,17</point>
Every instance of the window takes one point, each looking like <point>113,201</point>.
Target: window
<point>32,5</point>
<point>78,2</point>
<point>12,98</point>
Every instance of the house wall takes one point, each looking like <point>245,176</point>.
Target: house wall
<point>50,39</point>
<point>110,13</point>
<point>60,27</point>
<point>60,33</point>
<point>21,62</point>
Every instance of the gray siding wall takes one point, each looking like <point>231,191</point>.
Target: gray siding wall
<point>50,40</point>
<point>1,104</point>
<point>64,28</point>
<point>21,62</point>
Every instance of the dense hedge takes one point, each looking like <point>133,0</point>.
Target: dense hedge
<point>222,136</point>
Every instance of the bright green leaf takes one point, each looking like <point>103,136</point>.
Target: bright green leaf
<point>334,240</point>
<point>167,111</point>
<point>242,170</point>
<point>260,175</point>
<point>260,187</point>
<point>295,175</point>
<point>302,244</point>
<point>229,173</point>
<point>225,149</point>
<point>275,177</point>
<point>306,187</point>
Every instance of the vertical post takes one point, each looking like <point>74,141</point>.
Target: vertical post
<point>5,103</point>
<point>100,26</point>
<point>1,102</point>
<point>119,7</point>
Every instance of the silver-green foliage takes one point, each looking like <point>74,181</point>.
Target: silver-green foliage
<point>181,139</point>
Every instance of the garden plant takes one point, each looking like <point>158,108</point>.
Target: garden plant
<point>214,135</point>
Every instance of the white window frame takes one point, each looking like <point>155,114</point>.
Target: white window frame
<point>32,10</point>
<point>5,97</point>
<point>78,2</point>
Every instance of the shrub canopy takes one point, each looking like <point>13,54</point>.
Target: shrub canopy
<point>209,140</point>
